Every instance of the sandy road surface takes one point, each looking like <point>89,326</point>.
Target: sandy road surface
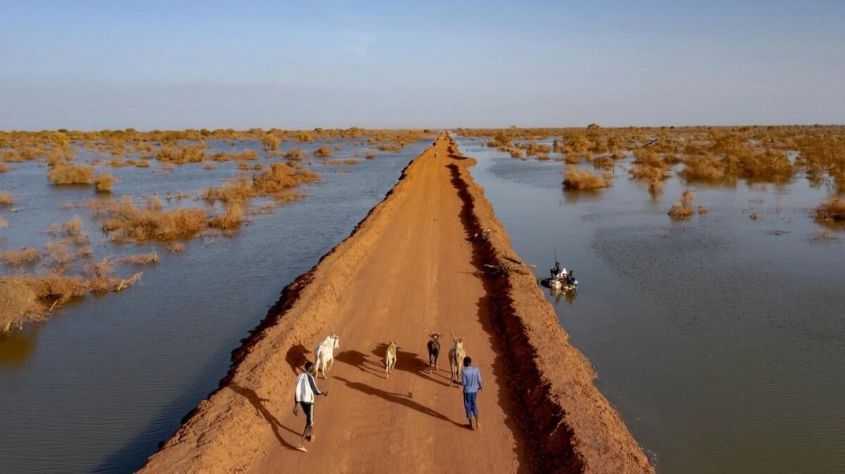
<point>419,278</point>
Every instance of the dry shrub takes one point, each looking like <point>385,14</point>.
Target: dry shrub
<point>154,203</point>
<point>683,209</point>
<point>577,179</point>
<point>281,177</point>
<point>104,182</point>
<point>20,304</point>
<point>142,164</point>
<point>294,154</point>
<point>4,168</point>
<point>234,190</point>
<point>6,198</point>
<point>59,255</point>
<point>127,222</point>
<point>831,211</point>
<point>28,298</point>
<point>208,165</point>
<point>232,218</point>
<point>706,169</point>
<point>181,156</point>
<point>369,156</point>
<point>534,149</point>
<point>604,162</point>
<point>16,258</point>
<point>72,229</point>
<point>63,174</point>
<point>323,152</point>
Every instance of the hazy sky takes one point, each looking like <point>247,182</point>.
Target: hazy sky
<point>308,63</point>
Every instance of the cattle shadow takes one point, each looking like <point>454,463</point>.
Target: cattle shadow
<point>258,403</point>
<point>360,361</point>
<point>398,398</point>
<point>296,357</point>
<point>411,362</point>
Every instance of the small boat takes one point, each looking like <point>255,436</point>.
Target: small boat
<point>559,284</point>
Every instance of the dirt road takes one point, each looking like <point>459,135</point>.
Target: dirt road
<point>419,278</point>
<point>410,268</point>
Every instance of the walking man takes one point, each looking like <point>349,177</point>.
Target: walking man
<point>306,392</point>
<point>471,380</point>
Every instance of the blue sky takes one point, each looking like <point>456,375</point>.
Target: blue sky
<point>303,64</point>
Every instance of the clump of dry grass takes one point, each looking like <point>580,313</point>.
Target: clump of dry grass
<point>831,211</point>
<point>4,168</point>
<point>369,155</point>
<point>17,258</point>
<point>28,298</point>
<point>683,209</point>
<point>104,182</point>
<point>323,152</point>
<point>294,154</point>
<point>20,305</point>
<point>3,223</point>
<point>577,179</point>
<point>703,168</point>
<point>127,222</point>
<point>65,174</point>
<point>232,218</point>
<point>181,155</point>
<point>281,177</point>
<point>6,198</point>
<point>71,230</point>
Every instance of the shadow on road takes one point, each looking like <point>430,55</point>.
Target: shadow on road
<point>397,398</point>
<point>258,403</point>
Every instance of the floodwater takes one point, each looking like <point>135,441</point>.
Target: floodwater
<point>721,340</point>
<point>98,386</point>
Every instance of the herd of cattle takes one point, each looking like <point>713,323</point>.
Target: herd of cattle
<point>325,355</point>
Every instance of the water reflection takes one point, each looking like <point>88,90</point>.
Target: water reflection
<point>16,348</point>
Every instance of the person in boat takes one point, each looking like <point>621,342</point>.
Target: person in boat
<point>556,270</point>
<point>570,278</point>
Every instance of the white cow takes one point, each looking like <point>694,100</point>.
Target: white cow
<point>456,358</point>
<point>325,354</point>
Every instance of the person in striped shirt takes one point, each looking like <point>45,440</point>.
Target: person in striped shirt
<point>306,393</point>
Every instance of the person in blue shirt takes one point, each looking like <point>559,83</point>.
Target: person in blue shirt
<point>471,380</point>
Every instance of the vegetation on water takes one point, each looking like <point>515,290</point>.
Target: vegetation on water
<point>104,182</point>
<point>46,277</point>
<point>6,198</point>
<point>832,211</point>
<point>66,174</point>
<point>577,179</point>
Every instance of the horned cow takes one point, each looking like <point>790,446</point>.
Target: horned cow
<point>456,358</point>
<point>390,358</point>
<point>325,354</point>
<point>433,350</point>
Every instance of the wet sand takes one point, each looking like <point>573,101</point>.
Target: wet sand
<point>409,268</point>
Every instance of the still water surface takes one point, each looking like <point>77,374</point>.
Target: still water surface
<point>98,386</point>
<point>721,340</point>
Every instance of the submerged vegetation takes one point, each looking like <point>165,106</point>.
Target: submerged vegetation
<point>266,169</point>
<point>706,156</point>
<point>576,179</point>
